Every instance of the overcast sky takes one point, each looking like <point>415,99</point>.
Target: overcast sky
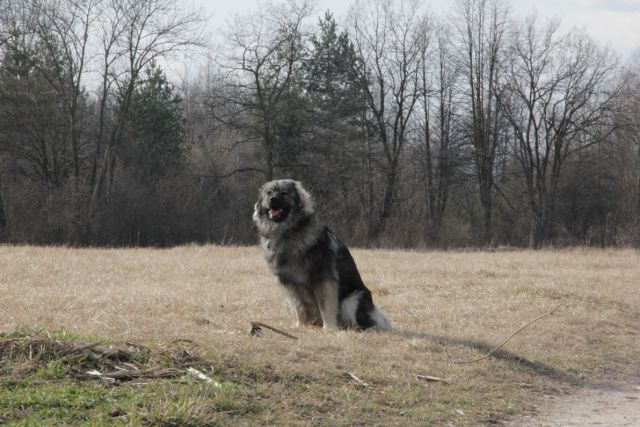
<point>614,22</point>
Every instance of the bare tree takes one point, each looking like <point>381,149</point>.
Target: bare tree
<point>262,67</point>
<point>439,79</point>
<point>632,119</point>
<point>3,215</point>
<point>481,27</point>
<point>63,26</point>
<point>391,38</point>
<point>558,96</point>
<point>32,123</point>
<point>134,34</point>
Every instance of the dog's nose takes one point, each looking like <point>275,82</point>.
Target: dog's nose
<point>273,199</point>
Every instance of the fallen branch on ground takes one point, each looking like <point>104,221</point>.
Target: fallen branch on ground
<point>358,380</point>
<point>200,375</point>
<point>256,330</point>
<point>431,379</point>
<point>461,362</point>
<point>126,375</point>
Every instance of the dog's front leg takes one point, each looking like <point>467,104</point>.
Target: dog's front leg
<point>327,298</point>
<point>296,306</point>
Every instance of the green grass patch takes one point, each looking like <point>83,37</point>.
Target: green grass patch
<point>161,402</point>
<point>60,378</point>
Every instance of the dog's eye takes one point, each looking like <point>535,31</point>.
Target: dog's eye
<point>284,193</point>
<point>269,193</point>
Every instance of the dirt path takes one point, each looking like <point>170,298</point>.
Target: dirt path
<point>591,407</point>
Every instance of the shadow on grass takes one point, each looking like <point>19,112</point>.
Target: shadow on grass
<point>537,368</point>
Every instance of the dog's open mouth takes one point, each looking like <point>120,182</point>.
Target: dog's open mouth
<point>275,213</point>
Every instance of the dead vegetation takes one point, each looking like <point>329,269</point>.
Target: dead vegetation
<point>23,353</point>
<point>186,313</point>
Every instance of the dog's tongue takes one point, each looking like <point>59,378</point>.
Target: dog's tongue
<point>274,213</point>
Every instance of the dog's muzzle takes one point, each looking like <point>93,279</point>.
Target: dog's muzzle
<point>276,208</point>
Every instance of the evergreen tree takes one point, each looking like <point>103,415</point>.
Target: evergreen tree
<point>335,151</point>
<point>156,126</point>
<point>331,81</point>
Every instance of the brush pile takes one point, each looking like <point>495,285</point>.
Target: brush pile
<point>27,353</point>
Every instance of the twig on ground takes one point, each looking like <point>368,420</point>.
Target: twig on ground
<point>85,346</point>
<point>461,362</point>
<point>431,379</point>
<point>257,331</point>
<point>200,375</point>
<point>358,380</point>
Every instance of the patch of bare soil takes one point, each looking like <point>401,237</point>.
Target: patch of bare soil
<point>599,406</point>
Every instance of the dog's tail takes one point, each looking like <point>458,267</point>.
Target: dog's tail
<point>352,307</point>
<point>380,320</point>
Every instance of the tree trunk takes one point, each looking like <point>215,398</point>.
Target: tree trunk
<point>387,203</point>
<point>442,186</point>
<point>3,217</point>
<point>368,183</point>
<point>638,190</point>
<point>269,147</point>
<point>532,234</point>
<point>487,211</point>
<point>486,186</point>
<point>428,160</point>
<point>537,232</point>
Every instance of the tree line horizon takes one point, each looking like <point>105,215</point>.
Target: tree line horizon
<point>481,128</point>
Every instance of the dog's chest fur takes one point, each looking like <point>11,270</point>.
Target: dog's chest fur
<point>300,264</point>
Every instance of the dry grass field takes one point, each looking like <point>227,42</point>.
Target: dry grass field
<point>445,306</point>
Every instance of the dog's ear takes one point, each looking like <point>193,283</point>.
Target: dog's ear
<point>303,198</point>
<point>256,210</point>
<point>296,200</point>
<point>296,196</point>
<point>256,207</point>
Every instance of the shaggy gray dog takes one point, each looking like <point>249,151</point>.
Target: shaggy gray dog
<point>321,282</point>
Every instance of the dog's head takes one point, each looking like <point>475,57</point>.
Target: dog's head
<point>282,203</point>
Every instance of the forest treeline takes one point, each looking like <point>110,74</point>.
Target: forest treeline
<point>480,126</point>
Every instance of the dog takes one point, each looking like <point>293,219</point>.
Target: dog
<point>319,277</point>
